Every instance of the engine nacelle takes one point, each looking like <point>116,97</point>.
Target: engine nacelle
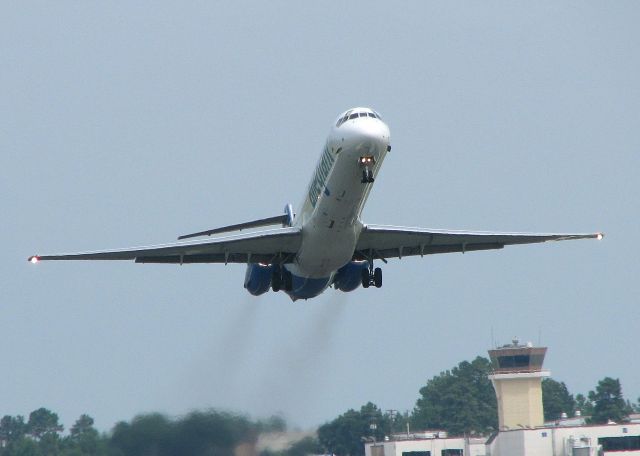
<point>349,276</point>
<point>257,279</point>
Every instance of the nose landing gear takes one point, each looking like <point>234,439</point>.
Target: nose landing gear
<point>371,276</point>
<point>367,174</point>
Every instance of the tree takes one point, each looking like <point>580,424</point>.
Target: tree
<point>83,425</point>
<point>146,434</point>
<point>84,439</point>
<point>211,432</point>
<point>556,399</point>
<point>584,405</point>
<point>12,429</point>
<point>344,435</point>
<point>199,433</point>
<point>43,422</point>
<point>608,401</point>
<point>459,401</point>
<point>304,447</point>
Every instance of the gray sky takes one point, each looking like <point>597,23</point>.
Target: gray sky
<point>131,123</point>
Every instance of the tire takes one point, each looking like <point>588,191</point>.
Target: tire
<point>377,277</point>
<point>365,278</point>
<point>288,280</point>
<point>276,281</point>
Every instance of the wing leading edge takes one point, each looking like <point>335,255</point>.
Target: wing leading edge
<point>268,246</point>
<point>385,241</point>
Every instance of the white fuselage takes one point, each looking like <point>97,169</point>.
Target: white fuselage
<point>331,209</point>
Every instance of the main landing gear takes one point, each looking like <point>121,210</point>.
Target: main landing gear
<point>371,277</point>
<point>281,279</point>
<point>367,174</point>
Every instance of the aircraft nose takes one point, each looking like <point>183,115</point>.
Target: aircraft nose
<point>366,137</point>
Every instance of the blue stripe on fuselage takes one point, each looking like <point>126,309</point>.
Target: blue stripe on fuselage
<point>322,173</point>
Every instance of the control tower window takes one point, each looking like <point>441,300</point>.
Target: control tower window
<point>513,361</point>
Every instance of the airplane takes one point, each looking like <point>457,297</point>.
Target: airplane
<point>325,243</point>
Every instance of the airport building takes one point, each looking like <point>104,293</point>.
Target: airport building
<point>517,380</point>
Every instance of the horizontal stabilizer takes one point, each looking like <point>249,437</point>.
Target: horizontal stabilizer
<point>277,220</point>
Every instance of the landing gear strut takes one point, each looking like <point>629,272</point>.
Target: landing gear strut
<point>371,276</point>
<point>281,279</point>
<point>367,176</point>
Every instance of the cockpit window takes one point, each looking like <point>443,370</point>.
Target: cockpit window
<point>354,115</point>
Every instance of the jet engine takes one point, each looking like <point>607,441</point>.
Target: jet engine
<point>257,279</point>
<point>349,276</point>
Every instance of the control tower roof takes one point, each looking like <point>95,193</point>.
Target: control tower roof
<point>517,358</point>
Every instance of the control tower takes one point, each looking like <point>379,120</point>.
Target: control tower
<point>517,378</point>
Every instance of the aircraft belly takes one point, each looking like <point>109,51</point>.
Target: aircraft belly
<point>329,237</point>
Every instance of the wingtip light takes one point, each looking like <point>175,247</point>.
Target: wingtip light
<point>34,259</point>
<point>599,236</point>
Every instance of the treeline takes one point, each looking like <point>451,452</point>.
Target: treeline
<point>460,400</point>
<point>209,433</point>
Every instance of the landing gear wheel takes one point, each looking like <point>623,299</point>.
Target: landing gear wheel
<point>288,280</point>
<point>366,278</point>
<point>276,281</point>
<point>367,176</point>
<point>377,277</point>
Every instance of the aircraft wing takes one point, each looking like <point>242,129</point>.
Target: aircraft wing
<point>277,245</point>
<point>384,241</point>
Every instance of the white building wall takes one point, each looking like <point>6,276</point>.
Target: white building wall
<point>550,441</point>
<point>474,447</point>
<point>559,441</point>
<point>538,442</point>
<point>563,435</point>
